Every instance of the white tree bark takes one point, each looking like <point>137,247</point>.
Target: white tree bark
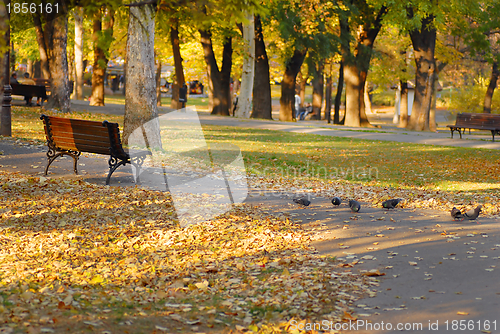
<point>78,89</point>
<point>244,107</point>
<point>140,94</point>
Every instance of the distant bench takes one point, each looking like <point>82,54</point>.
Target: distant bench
<point>72,136</point>
<point>29,91</point>
<point>47,84</point>
<point>489,122</point>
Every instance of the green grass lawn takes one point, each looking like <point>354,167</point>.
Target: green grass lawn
<point>379,163</point>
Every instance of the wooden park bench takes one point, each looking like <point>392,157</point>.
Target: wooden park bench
<point>43,82</point>
<point>30,91</point>
<point>73,136</point>
<point>47,84</point>
<point>489,122</point>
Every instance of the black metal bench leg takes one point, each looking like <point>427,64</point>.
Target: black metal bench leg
<point>52,155</point>
<point>493,134</point>
<point>460,133</point>
<point>75,162</point>
<point>114,163</point>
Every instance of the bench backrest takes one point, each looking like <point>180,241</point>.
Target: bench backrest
<point>43,82</point>
<point>486,121</point>
<point>20,89</point>
<point>83,136</point>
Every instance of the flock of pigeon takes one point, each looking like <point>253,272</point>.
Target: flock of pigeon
<point>456,214</point>
<point>353,204</point>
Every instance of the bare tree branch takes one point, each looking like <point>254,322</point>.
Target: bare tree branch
<point>492,32</point>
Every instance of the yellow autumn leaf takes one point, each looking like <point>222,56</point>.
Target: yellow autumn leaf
<point>96,279</point>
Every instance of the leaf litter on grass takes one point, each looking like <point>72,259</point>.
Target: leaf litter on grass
<point>81,256</point>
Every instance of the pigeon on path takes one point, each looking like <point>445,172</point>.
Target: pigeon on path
<point>302,201</point>
<point>456,214</point>
<point>354,205</point>
<point>473,214</point>
<point>336,201</point>
<point>391,203</point>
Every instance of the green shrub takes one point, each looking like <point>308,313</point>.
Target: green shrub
<point>471,99</point>
<point>384,98</point>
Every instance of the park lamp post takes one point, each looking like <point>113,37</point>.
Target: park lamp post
<point>6,127</point>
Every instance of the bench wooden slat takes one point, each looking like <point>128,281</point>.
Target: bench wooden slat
<point>100,132</point>
<point>81,138</point>
<point>72,136</point>
<point>82,148</point>
<point>483,121</point>
<point>80,141</point>
<point>71,121</point>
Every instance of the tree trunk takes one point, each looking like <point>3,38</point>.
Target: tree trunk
<point>302,83</point>
<point>432,113</point>
<point>244,106</point>
<point>355,78</point>
<point>219,80</point>
<point>179,80</point>
<point>262,102</point>
<point>225,74</point>
<point>403,105</point>
<point>491,88</point>
<point>71,71</point>
<point>4,46</point>
<point>287,99</point>
<point>79,70</point>
<point>140,95</point>
<point>158,84</point>
<point>354,97</point>
<point>29,67</point>
<point>5,115</point>
<point>37,70</point>
<point>366,97</point>
<point>356,65</point>
<point>55,34</point>
<point>103,32</point>
<point>318,86</point>
<point>338,96</point>
<point>328,96</point>
<point>424,43</point>
<point>42,45</point>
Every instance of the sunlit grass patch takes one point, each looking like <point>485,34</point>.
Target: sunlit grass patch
<point>382,163</point>
<point>26,122</point>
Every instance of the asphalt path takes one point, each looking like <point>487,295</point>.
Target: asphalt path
<point>436,274</point>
